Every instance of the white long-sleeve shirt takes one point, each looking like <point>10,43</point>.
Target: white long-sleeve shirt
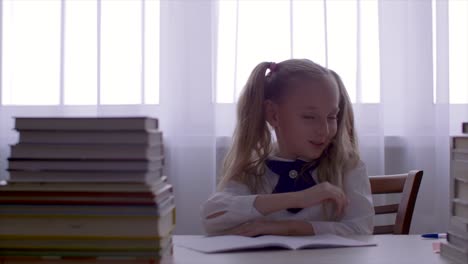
<point>237,202</point>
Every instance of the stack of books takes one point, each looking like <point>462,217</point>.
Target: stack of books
<point>456,248</point>
<point>87,187</point>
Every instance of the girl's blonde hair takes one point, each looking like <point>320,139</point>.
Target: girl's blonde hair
<point>252,140</point>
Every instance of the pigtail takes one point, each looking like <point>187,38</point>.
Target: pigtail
<point>342,153</point>
<point>348,133</point>
<point>252,138</point>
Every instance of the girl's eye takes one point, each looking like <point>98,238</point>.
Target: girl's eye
<point>308,117</point>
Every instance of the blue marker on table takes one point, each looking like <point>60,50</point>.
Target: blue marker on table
<point>434,235</point>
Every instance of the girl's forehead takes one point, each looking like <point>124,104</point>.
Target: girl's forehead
<point>322,92</point>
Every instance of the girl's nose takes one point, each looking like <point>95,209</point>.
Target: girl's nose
<point>322,130</point>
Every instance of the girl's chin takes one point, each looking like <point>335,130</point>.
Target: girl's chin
<point>312,156</point>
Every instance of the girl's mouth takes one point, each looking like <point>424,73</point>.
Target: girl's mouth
<point>319,145</point>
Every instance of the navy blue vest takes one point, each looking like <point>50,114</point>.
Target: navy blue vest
<point>290,178</point>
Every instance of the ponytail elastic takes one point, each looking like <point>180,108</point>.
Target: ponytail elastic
<point>273,66</point>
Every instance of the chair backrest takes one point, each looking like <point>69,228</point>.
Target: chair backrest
<point>408,185</point>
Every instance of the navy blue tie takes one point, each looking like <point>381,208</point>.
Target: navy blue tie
<point>290,178</point>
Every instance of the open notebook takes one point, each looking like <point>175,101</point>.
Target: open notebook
<point>218,244</point>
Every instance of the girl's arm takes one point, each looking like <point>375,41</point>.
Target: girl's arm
<point>270,203</point>
<point>235,206</point>
<point>229,208</point>
<point>357,220</point>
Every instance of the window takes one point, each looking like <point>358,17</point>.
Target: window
<point>458,53</point>
<point>316,30</point>
<point>73,52</point>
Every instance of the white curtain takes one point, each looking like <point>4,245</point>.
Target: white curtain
<point>412,132</point>
<point>405,128</point>
<point>392,55</point>
<point>187,109</point>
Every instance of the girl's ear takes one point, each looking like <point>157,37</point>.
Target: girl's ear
<point>271,112</point>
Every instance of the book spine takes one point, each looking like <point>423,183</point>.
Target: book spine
<point>458,186</point>
<point>86,124</point>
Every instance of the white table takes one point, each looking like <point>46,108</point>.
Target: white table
<point>391,249</point>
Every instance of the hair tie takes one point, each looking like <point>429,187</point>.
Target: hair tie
<point>273,66</point>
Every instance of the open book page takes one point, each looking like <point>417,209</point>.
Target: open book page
<point>320,241</point>
<point>235,243</point>
<point>214,244</point>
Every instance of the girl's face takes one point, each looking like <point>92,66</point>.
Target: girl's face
<point>305,119</point>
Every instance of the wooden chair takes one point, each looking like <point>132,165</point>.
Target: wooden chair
<point>408,185</point>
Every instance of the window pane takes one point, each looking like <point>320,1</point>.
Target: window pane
<point>121,63</point>
<point>369,72</point>
<point>309,30</point>
<point>151,52</point>
<point>80,62</point>
<point>226,54</point>
<point>342,47</point>
<point>434,51</point>
<point>31,52</point>
<point>263,36</point>
<point>458,52</point>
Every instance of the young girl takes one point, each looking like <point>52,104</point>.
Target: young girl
<point>311,181</point>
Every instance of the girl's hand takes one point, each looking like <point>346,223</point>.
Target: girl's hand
<point>266,227</point>
<point>270,203</point>
<point>320,193</point>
